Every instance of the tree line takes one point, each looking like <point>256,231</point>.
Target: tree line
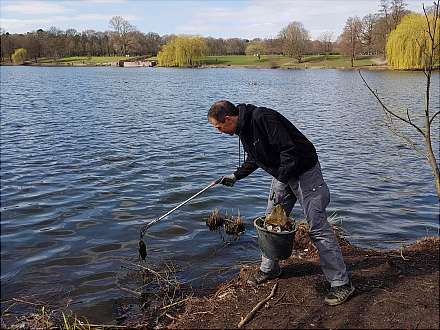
<point>360,36</point>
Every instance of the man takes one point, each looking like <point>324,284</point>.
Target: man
<point>274,144</point>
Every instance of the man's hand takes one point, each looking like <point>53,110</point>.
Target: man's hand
<point>228,180</point>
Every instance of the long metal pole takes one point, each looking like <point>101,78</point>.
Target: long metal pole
<point>148,225</point>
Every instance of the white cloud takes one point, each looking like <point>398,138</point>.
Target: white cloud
<point>105,2</point>
<point>262,18</point>
<point>245,19</point>
<point>258,19</point>
<point>34,8</point>
<point>12,24</point>
<point>79,22</point>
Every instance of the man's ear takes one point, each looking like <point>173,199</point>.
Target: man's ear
<point>227,118</point>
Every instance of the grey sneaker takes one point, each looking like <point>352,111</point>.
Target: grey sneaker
<point>261,277</point>
<point>338,294</point>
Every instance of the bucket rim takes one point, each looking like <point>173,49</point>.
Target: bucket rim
<point>271,232</point>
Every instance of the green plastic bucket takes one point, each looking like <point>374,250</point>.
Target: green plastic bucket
<point>275,246</point>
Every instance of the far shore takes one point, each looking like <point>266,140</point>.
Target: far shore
<point>339,62</point>
<point>363,67</point>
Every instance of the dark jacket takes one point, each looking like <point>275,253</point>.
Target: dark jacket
<point>273,143</point>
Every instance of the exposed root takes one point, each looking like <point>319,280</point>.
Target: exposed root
<point>232,225</point>
<point>215,220</point>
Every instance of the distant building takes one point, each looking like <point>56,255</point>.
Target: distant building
<point>136,64</point>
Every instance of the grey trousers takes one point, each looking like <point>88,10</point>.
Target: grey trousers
<point>313,194</point>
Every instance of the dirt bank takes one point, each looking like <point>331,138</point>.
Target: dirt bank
<point>394,289</point>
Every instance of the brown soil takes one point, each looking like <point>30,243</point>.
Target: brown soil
<point>394,289</point>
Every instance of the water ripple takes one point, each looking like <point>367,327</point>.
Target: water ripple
<point>90,154</point>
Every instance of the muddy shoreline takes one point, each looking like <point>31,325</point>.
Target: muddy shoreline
<point>394,289</point>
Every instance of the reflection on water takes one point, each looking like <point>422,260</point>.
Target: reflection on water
<point>90,154</point>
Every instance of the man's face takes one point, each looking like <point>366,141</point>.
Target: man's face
<point>228,127</point>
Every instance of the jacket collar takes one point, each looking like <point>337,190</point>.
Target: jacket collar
<point>244,114</point>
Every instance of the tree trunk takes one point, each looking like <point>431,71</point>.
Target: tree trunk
<point>430,153</point>
<point>433,162</point>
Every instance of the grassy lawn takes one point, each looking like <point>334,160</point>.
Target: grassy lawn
<point>238,60</point>
<point>337,61</point>
<point>274,61</point>
<point>86,60</point>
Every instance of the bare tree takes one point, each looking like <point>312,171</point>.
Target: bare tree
<point>7,45</point>
<point>391,13</point>
<point>294,39</point>
<point>428,119</point>
<point>349,40</point>
<point>367,35</point>
<point>152,43</point>
<point>273,46</point>
<point>397,12</point>
<point>122,28</point>
<point>326,38</point>
<point>235,46</point>
<point>385,12</point>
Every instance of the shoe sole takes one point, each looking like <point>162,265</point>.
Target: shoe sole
<point>342,301</point>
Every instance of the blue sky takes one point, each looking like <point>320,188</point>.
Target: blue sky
<point>226,19</point>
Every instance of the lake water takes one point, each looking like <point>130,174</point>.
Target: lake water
<point>88,155</point>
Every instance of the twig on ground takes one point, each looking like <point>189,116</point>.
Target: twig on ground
<point>254,310</point>
<point>105,326</point>
<point>176,303</point>
<point>401,254</point>
<point>279,299</point>
<point>207,312</point>
<point>223,289</point>
<point>393,300</point>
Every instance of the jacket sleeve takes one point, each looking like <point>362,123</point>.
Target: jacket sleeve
<point>246,168</point>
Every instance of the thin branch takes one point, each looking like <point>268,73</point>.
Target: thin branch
<point>394,130</point>
<point>137,294</point>
<point>401,254</point>
<point>432,119</point>
<point>407,115</point>
<point>27,302</point>
<point>176,303</point>
<point>427,22</point>
<point>389,111</point>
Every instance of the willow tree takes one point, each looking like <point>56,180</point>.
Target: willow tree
<point>166,56</point>
<point>19,56</point>
<point>424,47</point>
<point>408,45</point>
<point>183,51</point>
